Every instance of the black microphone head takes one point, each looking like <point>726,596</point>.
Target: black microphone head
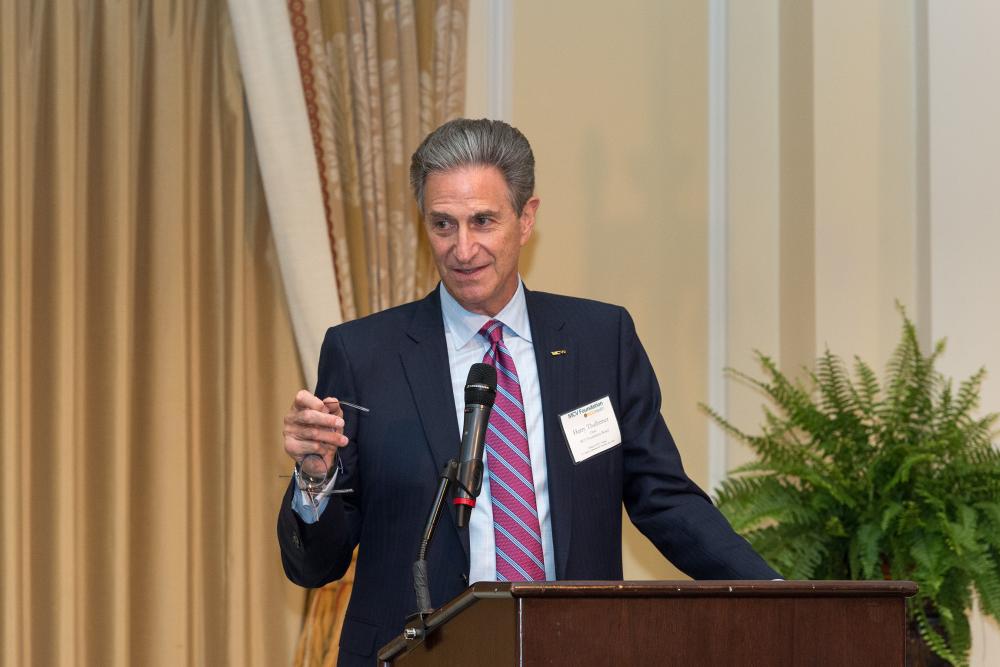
<point>481,385</point>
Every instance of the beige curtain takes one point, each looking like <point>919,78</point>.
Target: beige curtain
<point>377,77</point>
<point>145,351</point>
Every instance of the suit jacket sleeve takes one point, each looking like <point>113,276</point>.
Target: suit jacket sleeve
<point>661,500</point>
<point>318,553</point>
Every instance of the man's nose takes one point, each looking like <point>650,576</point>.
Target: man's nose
<point>465,246</point>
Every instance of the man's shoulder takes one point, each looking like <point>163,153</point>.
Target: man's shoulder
<point>391,322</point>
<point>573,307</point>
<point>604,324</point>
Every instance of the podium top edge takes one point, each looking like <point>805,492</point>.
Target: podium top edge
<point>685,588</point>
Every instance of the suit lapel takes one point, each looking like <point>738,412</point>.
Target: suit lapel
<point>557,378</point>
<point>429,376</point>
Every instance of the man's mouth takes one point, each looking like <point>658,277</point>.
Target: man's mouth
<point>469,272</point>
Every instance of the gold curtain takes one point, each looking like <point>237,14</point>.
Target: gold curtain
<point>146,355</point>
<point>378,75</point>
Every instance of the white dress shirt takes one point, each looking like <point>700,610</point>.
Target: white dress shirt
<point>467,347</point>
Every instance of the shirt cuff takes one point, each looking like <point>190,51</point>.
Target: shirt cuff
<point>308,506</point>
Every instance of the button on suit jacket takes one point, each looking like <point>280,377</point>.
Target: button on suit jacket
<point>396,363</point>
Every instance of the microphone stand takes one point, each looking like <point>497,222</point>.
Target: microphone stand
<point>421,586</point>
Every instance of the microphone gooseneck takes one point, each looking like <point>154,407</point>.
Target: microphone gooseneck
<point>467,475</point>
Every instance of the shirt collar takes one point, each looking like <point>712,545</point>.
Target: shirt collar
<point>464,326</point>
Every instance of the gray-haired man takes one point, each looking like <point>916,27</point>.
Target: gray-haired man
<point>551,503</point>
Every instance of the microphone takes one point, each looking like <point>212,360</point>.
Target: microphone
<point>480,392</point>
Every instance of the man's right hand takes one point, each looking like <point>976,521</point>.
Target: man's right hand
<point>313,426</point>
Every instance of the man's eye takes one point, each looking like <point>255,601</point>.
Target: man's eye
<point>441,224</point>
<point>482,220</point>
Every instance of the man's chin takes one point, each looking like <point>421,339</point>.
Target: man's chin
<point>468,296</point>
<point>465,293</point>
<point>466,283</point>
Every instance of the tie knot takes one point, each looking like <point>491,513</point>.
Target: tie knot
<point>492,331</point>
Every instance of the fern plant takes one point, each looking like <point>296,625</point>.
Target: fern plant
<point>860,480</point>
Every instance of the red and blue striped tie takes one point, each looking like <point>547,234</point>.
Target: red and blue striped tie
<point>512,487</point>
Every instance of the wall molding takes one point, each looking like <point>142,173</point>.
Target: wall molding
<point>500,59</point>
<point>718,233</point>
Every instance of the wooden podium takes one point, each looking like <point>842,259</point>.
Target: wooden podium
<point>665,623</point>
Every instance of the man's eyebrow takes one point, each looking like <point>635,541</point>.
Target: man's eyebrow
<point>440,215</point>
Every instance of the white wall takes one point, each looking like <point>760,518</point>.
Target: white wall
<point>614,100</point>
<point>860,164</point>
<point>963,96</point>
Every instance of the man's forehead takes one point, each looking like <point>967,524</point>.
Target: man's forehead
<point>481,187</point>
<point>471,182</point>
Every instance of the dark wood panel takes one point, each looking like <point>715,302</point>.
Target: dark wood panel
<point>715,631</point>
<point>850,623</point>
<point>484,633</point>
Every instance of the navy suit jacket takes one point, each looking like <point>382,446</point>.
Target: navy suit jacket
<point>396,363</point>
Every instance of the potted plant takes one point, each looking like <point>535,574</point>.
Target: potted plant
<point>860,480</point>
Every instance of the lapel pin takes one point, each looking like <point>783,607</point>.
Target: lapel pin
<point>556,353</point>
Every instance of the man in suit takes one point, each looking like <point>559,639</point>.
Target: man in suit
<point>550,507</point>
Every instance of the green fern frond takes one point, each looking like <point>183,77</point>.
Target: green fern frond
<point>726,425</point>
<point>857,477</point>
<point>833,384</point>
<point>773,501</point>
<point>935,641</point>
<point>796,555</point>
<point>865,551</point>
<point>967,399</point>
<point>889,514</point>
<point>868,386</point>
<point>902,474</point>
<point>987,581</point>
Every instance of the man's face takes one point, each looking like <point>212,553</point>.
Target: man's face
<point>476,236</point>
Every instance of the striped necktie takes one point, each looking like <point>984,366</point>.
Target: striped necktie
<point>512,487</point>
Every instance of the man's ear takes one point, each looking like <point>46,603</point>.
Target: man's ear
<point>528,218</point>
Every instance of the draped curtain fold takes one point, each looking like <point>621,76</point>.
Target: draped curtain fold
<point>146,354</point>
<point>377,77</point>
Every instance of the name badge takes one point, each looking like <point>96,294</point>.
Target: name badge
<point>591,429</point>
